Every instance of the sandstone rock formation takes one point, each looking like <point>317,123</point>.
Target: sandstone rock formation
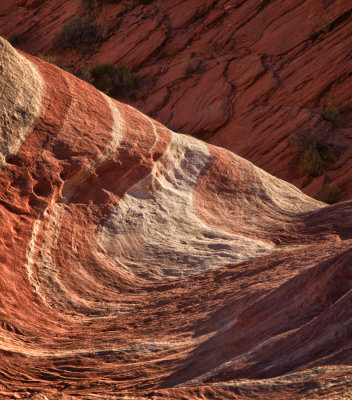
<point>245,75</point>
<point>140,263</point>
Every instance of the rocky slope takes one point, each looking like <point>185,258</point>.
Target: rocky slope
<point>250,76</point>
<point>140,263</point>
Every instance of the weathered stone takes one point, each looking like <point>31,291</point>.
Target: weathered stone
<point>140,263</point>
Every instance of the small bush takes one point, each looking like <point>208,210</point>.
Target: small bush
<point>67,67</point>
<point>47,58</point>
<point>332,114</point>
<point>85,75</point>
<point>104,77</point>
<point>190,66</point>
<point>76,33</point>
<point>129,79</point>
<point>322,27</point>
<point>329,194</point>
<point>315,152</point>
<point>325,27</point>
<point>14,38</point>
<point>111,80</point>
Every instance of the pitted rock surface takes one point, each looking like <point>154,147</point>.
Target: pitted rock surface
<point>263,72</point>
<point>141,263</point>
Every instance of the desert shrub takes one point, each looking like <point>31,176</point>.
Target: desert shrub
<point>128,79</point>
<point>190,66</point>
<point>14,38</point>
<point>104,77</point>
<point>113,80</point>
<point>315,151</point>
<point>67,67</point>
<point>321,27</point>
<point>332,114</point>
<point>325,27</point>
<point>76,33</point>
<point>329,194</point>
<point>47,58</point>
<point>85,75</point>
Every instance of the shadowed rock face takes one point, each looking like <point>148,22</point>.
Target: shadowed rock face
<point>140,263</point>
<point>244,75</point>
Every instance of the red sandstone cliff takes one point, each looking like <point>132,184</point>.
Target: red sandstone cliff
<point>262,73</point>
<point>137,263</point>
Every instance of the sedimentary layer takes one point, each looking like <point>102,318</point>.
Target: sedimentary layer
<point>137,262</point>
<point>250,76</point>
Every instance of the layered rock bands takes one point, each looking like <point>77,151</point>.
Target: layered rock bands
<point>140,263</point>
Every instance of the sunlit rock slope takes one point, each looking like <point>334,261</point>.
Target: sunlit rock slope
<point>140,263</point>
<point>246,75</point>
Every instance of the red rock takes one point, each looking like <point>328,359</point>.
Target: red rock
<point>283,64</point>
<point>141,263</point>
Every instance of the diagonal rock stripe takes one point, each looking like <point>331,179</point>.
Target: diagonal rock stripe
<point>21,91</point>
<point>154,231</point>
<point>140,263</point>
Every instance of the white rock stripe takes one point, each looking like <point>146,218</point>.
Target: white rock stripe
<point>21,94</point>
<point>74,183</point>
<point>283,196</point>
<point>117,136</point>
<point>155,233</point>
<point>40,266</point>
<point>135,348</point>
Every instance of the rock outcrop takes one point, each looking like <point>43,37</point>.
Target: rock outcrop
<point>249,76</point>
<point>141,263</point>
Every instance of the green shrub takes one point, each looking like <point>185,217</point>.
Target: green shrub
<point>190,66</point>
<point>329,194</point>
<point>76,33</point>
<point>47,58</point>
<point>315,151</point>
<point>104,77</point>
<point>332,114</point>
<point>325,27</point>
<point>67,67</point>
<point>129,79</point>
<point>14,38</point>
<point>113,80</point>
<point>85,75</point>
<point>322,27</point>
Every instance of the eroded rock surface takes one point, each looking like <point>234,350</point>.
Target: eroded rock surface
<point>245,75</point>
<point>140,263</point>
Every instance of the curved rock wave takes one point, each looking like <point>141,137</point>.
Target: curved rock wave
<point>140,263</point>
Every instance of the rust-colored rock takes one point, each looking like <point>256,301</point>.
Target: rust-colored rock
<point>265,73</point>
<point>140,263</point>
